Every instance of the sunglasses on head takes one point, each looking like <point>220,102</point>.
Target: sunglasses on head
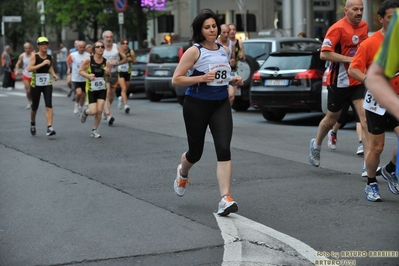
<point>42,43</point>
<point>99,46</point>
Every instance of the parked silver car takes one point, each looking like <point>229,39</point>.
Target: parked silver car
<point>162,62</point>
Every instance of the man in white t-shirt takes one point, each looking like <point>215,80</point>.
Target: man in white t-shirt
<point>79,82</point>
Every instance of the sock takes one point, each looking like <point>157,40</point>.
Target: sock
<point>390,167</point>
<point>371,180</point>
<point>316,146</point>
<point>32,124</point>
<point>48,126</point>
<point>183,176</point>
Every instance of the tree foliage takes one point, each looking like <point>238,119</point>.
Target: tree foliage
<point>17,33</point>
<point>87,17</point>
<point>91,17</point>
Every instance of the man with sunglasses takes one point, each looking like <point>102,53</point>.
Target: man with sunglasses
<point>115,55</point>
<point>41,67</point>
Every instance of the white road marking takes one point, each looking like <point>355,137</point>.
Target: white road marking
<point>23,94</point>
<point>239,232</point>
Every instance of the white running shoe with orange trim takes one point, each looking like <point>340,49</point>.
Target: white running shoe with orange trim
<point>180,183</point>
<point>227,205</point>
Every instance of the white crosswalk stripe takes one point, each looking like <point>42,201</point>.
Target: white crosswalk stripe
<point>23,94</point>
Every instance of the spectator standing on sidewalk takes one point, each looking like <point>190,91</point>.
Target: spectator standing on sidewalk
<point>7,68</point>
<point>62,55</point>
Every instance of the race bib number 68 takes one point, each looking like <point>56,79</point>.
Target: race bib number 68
<point>222,76</point>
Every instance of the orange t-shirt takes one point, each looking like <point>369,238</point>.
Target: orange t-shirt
<point>343,38</point>
<point>364,56</point>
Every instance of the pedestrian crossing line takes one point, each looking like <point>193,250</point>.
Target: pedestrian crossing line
<point>23,94</point>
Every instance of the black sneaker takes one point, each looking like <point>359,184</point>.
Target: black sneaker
<point>50,131</point>
<point>33,130</point>
<point>110,120</point>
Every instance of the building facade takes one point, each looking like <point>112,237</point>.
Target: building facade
<point>263,17</point>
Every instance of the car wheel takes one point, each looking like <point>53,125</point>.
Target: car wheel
<point>273,115</point>
<point>246,69</point>
<point>153,97</point>
<point>240,105</point>
<point>180,99</point>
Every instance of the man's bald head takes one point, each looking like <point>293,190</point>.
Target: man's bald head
<point>350,3</point>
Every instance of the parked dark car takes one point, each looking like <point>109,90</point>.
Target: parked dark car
<point>258,50</point>
<point>138,73</point>
<point>161,65</point>
<point>289,81</point>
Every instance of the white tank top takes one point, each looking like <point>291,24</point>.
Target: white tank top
<point>77,60</point>
<point>113,54</point>
<point>25,62</point>
<point>230,46</point>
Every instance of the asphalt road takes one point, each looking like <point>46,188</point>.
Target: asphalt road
<point>73,200</point>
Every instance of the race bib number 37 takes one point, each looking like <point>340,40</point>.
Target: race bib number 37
<point>371,105</point>
<point>42,79</point>
<point>222,76</point>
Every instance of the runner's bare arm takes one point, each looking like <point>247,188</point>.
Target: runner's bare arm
<point>335,57</point>
<point>17,64</point>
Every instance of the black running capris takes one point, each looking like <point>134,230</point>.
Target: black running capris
<point>35,93</point>
<point>198,114</point>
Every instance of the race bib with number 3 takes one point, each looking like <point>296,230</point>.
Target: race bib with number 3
<point>42,79</point>
<point>371,105</point>
<point>98,84</point>
<point>222,76</point>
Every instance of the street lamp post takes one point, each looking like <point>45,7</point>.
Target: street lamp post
<point>40,8</point>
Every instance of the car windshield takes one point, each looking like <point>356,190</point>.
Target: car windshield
<point>298,44</point>
<point>287,62</point>
<point>142,57</point>
<point>167,54</point>
<point>258,50</point>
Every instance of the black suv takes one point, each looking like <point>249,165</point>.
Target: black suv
<point>161,65</point>
<point>289,81</point>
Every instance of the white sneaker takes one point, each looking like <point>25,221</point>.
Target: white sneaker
<point>332,140</point>
<point>94,134</point>
<point>364,171</point>
<point>83,116</point>
<point>360,150</point>
<point>28,106</point>
<point>76,109</point>
<point>227,205</point>
<point>127,109</point>
<point>180,183</point>
<point>120,103</point>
